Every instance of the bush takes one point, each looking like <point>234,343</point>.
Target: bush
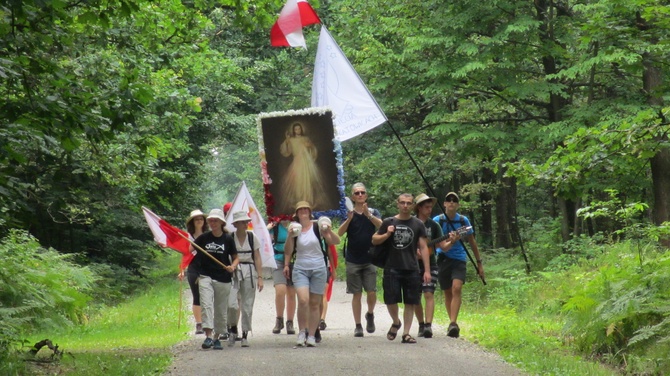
<point>39,289</point>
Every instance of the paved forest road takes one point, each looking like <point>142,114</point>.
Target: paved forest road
<point>340,353</point>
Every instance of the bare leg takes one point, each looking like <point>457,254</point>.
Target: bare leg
<point>280,299</point>
<point>290,302</point>
<point>197,313</point>
<point>304,300</point>
<point>356,307</point>
<point>315,301</point>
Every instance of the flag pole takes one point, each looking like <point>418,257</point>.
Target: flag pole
<point>202,250</point>
<point>432,193</point>
<point>181,300</point>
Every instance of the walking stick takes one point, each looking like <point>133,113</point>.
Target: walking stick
<point>181,300</point>
<point>202,250</point>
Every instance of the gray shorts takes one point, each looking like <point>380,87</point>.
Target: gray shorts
<point>361,276</point>
<point>315,279</point>
<point>278,276</point>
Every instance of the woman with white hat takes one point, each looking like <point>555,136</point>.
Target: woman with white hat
<point>215,280</point>
<point>310,272</point>
<point>248,275</point>
<point>196,226</point>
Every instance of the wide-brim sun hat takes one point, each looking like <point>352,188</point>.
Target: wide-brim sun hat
<point>195,213</point>
<point>424,197</point>
<point>302,205</point>
<point>240,216</point>
<point>217,213</point>
<point>451,194</point>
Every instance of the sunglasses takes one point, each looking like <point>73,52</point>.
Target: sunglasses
<point>359,193</point>
<point>451,199</point>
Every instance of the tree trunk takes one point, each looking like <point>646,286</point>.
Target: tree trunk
<point>504,206</point>
<point>485,232</point>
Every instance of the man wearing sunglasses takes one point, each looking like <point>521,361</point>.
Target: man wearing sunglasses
<point>361,224</point>
<point>451,263</point>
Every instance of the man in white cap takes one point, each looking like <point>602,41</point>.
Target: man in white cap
<point>451,263</point>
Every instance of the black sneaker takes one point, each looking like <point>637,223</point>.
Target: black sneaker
<point>428,331</point>
<point>207,344</point>
<point>453,330</point>
<point>224,336</point>
<point>358,332</point>
<point>422,328</point>
<point>370,322</point>
<point>322,325</point>
<point>317,335</point>
<point>217,345</point>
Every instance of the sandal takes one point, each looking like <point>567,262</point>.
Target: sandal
<point>406,338</point>
<point>391,334</point>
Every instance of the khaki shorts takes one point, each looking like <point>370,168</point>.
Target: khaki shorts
<point>360,277</point>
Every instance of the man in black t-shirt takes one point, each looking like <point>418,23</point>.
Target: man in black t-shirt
<point>361,224</point>
<point>403,234</point>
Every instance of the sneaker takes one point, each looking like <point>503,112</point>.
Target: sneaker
<point>289,327</point>
<point>422,329</point>
<point>317,335</point>
<point>279,325</point>
<point>358,332</point>
<point>428,331</point>
<point>231,339</point>
<point>217,345</point>
<point>301,338</point>
<point>311,341</point>
<point>198,328</point>
<point>207,343</point>
<point>245,342</point>
<point>370,322</point>
<point>322,325</point>
<point>223,336</point>
<point>453,330</point>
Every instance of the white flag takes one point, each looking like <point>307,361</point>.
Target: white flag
<point>337,85</point>
<point>244,202</point>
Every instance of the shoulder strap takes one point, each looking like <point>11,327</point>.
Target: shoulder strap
<point>250,236</point>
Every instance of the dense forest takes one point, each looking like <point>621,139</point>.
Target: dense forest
<point>548,117</point>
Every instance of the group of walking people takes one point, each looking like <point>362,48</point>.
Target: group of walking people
<point>422,251</point>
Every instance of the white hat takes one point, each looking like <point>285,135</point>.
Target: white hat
<point>240,216</point>
<point>195,213</point>
<point>217,213</point>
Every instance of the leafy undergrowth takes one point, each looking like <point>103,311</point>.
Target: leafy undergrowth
<point>602,312</point>
<point>131,338</point>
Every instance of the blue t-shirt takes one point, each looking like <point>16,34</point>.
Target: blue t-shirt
<point>456,252</point>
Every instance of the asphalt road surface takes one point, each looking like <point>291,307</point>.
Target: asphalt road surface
<point>340,353</point>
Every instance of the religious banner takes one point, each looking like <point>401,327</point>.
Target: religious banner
<point>301,161</point>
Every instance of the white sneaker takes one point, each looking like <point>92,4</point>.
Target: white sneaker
<point>245,343</point>
<point>301,338</point>
<point>311,341</point>
<point>231,339</point>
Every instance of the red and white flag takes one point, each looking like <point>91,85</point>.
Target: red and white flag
<point>244,202</point>
<point>287,31</point>
<point>169,236</point>
<point>338,86</point>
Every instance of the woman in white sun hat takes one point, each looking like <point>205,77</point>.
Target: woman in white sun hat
<point>249,273</point>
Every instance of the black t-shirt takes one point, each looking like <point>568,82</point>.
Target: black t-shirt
<point>404,242</point>
<point>222,248</point>
<point>433,231</point>
<point>359,238</point>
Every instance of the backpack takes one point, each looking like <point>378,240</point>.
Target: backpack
<point>444,219</point>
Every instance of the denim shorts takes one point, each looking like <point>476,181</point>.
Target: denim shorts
<point>315,279</point>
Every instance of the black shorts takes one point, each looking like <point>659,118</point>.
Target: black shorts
<point>401,286</point>
<point>448,270</point>
<point>428,287</point>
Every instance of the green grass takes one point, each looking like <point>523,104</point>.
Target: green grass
<point>132,338</point>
